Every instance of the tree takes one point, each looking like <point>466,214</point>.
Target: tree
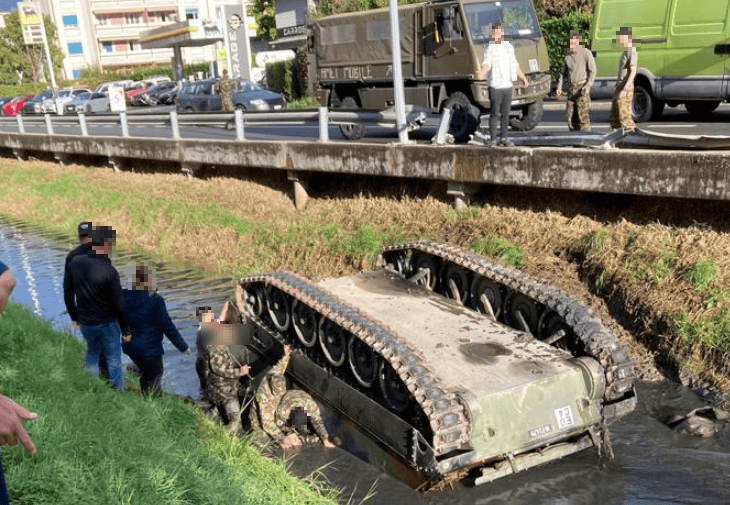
<point>265,15</point>
<point>21,63</point>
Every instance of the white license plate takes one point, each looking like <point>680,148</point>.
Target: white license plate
<point>277,107</point>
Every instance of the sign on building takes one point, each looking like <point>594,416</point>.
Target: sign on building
<point>31,22</point>
<point>291,18</point>
<point>238,51</point>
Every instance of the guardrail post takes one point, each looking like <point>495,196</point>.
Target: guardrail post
<point>49,124</point>
<point>21,126</point>
<point>125,124</point>
<point>324,125</point>
<point>238,115</point>
<point>443,126</point>
<point>82,124</point>
<point>175,124</point>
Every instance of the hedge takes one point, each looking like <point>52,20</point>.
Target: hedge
<point>556,30</point>
<point>289,77</point>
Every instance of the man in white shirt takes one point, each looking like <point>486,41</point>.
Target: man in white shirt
<point>501,65</point>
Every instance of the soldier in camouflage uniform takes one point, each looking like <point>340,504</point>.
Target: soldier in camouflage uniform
<point>579,71</point>
<point>223,378</point>
<point>624,94</point>
<point>225,88</point>
<point>284,414</point>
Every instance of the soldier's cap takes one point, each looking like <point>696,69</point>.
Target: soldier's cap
<point>625,30</point>
<point>85,228</point>
<point>202,310</point>
<point>101,235</point>
<point>573,34</point>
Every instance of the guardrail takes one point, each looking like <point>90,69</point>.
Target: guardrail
<point>324,117</point>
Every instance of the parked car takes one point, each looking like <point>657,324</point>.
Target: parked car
<point>34,105</point>
<point>154,80</point>
<point>168,97</point>
<point>88,103</point>
<point>199,96</point>
<point>133,90</point>
<point>48,106</point>
<point>104,87</point>
<point>14,106</point>
<point>152,95</point>
<point>3,101</point>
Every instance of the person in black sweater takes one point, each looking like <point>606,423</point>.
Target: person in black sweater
<point>149,321</point>
<point>95,301</point>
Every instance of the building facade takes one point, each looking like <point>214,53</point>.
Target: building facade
<point>105,33</point>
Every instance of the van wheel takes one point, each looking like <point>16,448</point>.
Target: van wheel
<point>701,107</point>
<point>529,118</point>
<point>351,131</point>
<point>464,116</point>
<point>643,105</point>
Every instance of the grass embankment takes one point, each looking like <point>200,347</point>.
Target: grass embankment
<point>671,280</point>
<point>98,445</point>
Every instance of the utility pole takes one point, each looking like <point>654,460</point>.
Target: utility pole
<point>400,100</point>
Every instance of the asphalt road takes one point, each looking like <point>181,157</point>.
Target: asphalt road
<point>674,121</point>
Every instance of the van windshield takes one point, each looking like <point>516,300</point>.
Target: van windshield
<point>517,17</point>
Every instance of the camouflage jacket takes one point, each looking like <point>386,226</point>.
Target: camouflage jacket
<point>223,373</point>
<point>294,399</point>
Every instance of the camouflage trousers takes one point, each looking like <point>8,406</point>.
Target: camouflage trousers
<point>621,109</point>
<point>578,109</point>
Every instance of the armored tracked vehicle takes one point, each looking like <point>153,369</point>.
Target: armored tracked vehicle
<point>454,365</point>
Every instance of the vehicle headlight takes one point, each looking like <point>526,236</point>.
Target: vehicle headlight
<point>258,102</point>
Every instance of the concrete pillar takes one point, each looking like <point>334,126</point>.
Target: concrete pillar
<point>462,193</point>
<point>189,169</point>
<point>300,188</point>
<point>178,69</point>
<point>61,158</point>
<point>115,163</point>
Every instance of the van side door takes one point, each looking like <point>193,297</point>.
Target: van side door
<point>447,52</point>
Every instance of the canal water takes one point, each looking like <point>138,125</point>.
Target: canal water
<point>652,464</point>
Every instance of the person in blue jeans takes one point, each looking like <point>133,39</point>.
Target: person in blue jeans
<point>11,414</point>
<point>95,301</point>
<point>146,314</point>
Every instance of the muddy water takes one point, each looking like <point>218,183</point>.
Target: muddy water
<point>653,465</point>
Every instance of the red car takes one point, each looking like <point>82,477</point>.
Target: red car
<point>132,91</point>
<point>15,105</point>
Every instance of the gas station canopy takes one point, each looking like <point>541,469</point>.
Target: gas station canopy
<point>189,33</point>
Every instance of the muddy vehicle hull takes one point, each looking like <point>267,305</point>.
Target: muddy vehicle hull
<point>448,391</point>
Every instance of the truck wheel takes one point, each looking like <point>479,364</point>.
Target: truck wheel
<point>643,105</point>
<point>351,131</point>
<point>530,116</point>
<point>701,107</point>
<point>464,116</point>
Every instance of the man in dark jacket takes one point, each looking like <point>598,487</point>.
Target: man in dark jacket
<point>82,249</point>
<point>95,301</point>
<point>148,320</point>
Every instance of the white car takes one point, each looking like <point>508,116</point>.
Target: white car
<point>49,105</point>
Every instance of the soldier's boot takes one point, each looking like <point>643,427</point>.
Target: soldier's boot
<point>234,417</point>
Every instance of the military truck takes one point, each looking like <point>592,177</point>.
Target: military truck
<point>442,48</point>
<point>453,365</point>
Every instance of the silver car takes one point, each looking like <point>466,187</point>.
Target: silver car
<point>88,103</point>
<point>65,96</point>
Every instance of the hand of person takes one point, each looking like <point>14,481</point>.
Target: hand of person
<point>74,324</point>
<point>558,92</point>
<point>287,351</point>
<point>622,93</point>
<point>11,428</point>
<point>187,352</point>
<point>585,91</point>
<point>290,442</point>
<point>127,338</point>
<point>244,370</point>
<point>524,80</point>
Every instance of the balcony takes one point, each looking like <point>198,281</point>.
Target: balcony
<point>112,6</point>
<point>124,58</point>
<point>124,31</point>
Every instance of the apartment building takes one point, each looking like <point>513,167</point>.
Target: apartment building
<point>105,33</point>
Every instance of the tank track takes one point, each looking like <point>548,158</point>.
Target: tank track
<point>584,334</point>
<point>447,417</point>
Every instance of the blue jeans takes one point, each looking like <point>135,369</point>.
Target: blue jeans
<point>107,338</point>
<point>4,498</point>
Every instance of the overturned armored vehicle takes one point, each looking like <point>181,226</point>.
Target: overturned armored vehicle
<point>455,366</point>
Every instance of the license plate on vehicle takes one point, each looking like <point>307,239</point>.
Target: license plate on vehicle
<point>277,107</point>
<point>564,417</point>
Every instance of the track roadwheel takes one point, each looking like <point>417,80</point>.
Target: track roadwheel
<point>483,287</point>
<point>553,330</point>
<point>519,308</point>
<point>395,393</point>
<point>351,131</point>
<point>305,324</point>
<point>333,340</point>
<point>425,270</point>
<point>363,362</point>
<point>455,283</point>
<point>464,116</point>
<point>529,118</point>
<point>278,305</point>
<point>254,297</point>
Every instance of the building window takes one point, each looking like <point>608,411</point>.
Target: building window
<point>70,21</point>
<point>134,46</point>
<point>75,48</point>
<point>77,74</point>
<point>191,13</point>
<point>107,47</point>
<point>132,18</point>
<point>103,20</point>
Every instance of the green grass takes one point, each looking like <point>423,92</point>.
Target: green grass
<point>99,445</point>
<point>711,331</point>
<point>303,103</point>
<point>701,275</point>
<point>596,242</point>
<point>498,248</point>
<point>456,216</point>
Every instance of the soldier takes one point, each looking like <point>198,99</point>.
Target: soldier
<point>225,88</point>
<point>284,415</point>
<point>624,94</point>
<point>580,71</point>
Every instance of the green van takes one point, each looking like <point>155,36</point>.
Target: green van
<point>683,48</point>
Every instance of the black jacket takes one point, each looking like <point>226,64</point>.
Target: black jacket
<point>93,292</point>
<point>148,322</point>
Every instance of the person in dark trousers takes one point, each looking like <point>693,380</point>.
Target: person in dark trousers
<point>146,313</point>
<point>501,68</point>
<point>82,249</point>
<point>12,431</point>
<point>95,301</point>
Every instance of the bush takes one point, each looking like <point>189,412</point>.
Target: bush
<point>289,77</point>
<point>556,30</point>
<point>556,8</point>
<point>94,76</point>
